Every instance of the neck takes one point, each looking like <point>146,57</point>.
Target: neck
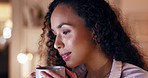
<point>103,72</point>
<point>98,67</point>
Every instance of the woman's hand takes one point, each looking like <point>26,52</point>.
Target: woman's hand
<point>53,74</point>
<point>50,74</point>
<point>71,74</point>
<point>32,75</point>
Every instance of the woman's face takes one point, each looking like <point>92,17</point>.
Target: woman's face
<point>73,39</point>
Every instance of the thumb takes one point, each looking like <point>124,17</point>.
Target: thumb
<point>71,74</point>
<point>38,66</point>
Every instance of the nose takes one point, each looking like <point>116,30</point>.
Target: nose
<point>58,43</point>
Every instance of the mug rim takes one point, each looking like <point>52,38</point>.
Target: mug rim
<point>50,67</point>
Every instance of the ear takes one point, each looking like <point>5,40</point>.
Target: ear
<point>94,35</point>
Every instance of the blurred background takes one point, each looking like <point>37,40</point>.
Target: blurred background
<point>20,28</point>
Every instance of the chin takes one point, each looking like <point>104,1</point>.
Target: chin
<point>71,65</point>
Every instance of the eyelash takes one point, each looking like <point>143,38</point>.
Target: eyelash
<point>66,32</point>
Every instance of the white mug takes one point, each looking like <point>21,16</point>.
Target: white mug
<point>59,69</point>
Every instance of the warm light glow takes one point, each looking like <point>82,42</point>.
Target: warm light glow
<point>5,11</point>
<point>8,23</point>
<point>7,32</point>
<point>22,58</point>
<point>30,56</point>
<point>2,40</point>
<point>7,29</point>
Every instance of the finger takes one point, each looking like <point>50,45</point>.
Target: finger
<point>71,74</point>
<point>32,75</point>
<point>38,66</point>
<point>45,75</point>
<point>54,74</point>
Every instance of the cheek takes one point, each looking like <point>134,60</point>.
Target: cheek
<point>78,45</point>
<point>78,42</point>
<point>78,52</point>
<point>72,43</point>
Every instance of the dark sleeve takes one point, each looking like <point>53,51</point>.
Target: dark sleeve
<point>80,71</point>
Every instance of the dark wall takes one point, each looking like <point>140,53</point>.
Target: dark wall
<point>4,0</point>
<point>4,62</point>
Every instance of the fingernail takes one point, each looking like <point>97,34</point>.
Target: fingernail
<point>37,66</point>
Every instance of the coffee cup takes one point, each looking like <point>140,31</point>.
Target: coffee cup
<point>59,69</point>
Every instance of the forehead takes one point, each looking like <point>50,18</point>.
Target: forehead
<point>62,10</point>
<point>64,14</point>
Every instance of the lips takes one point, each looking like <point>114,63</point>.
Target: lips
<point>66,56</point>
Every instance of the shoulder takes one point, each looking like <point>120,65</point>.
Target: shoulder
<point>126,70</point>
<point>132,71</point>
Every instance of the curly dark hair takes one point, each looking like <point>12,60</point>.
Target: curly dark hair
<point>101,18</point>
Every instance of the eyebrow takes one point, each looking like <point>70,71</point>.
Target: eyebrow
<point>59,26</point>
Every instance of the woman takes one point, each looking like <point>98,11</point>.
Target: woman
<point>91,41</point>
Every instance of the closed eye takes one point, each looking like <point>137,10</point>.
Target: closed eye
<point>66,32</point>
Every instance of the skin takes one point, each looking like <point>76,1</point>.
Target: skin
<point>78,40</point>
<point>73,37</point>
